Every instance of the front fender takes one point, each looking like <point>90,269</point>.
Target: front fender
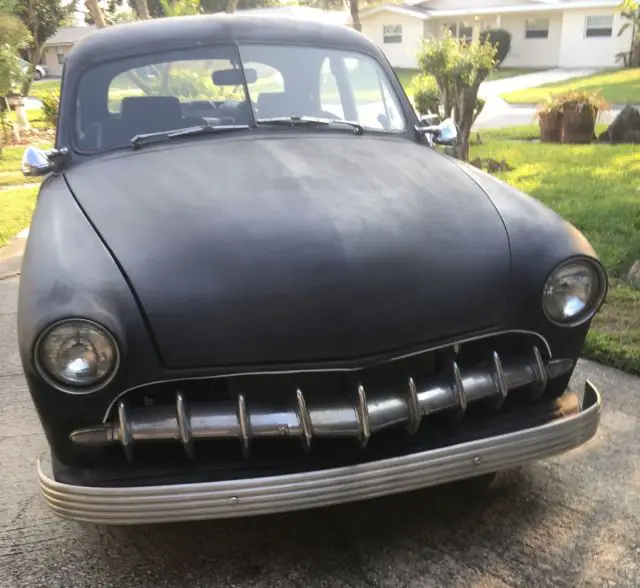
<point>539,239</point>
<point>68,272</point>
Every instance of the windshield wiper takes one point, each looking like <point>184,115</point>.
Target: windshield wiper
<point>139,140</point>
<point>311,121</point>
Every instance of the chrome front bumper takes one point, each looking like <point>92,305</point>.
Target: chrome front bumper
<point>213,500</point>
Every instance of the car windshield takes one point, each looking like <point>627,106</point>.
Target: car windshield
<point>228,86</point>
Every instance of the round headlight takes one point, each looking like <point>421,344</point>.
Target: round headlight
<point>78,354</point>
<point>573,292</point>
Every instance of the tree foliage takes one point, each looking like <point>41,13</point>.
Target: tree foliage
<point>501,40</point>
<point>630,11</point>
<point>13,36</point>
<point>114,11</point>
<point>42,18</point>
<point>458,68</point>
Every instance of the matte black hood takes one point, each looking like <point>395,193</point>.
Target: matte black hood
<point>293,248</point>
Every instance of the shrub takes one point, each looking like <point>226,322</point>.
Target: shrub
<point>184,83</point>
<point>426,95</point>
<point>50,104</point>
<point>459,69</point>
<point>500,39</point>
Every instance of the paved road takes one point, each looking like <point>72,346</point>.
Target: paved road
<point>569,521</point>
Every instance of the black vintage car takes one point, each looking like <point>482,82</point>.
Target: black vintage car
<point>252,284</point>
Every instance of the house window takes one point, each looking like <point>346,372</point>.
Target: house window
<point>599,26</point>
<point>392,34</point>
<point>461,31</point>
<point>61,58</point>
<point>537,28</point>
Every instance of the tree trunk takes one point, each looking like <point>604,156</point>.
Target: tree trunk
<point>466,100</point>
<point>142,9</point>
<point>232,5</point>
<point>96,13</point>
<point>354,6</point>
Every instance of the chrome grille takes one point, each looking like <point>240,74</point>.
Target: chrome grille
<point>306,417</point>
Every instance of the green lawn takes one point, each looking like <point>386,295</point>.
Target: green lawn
<point>17,200</point>
<point>16,206</point>
<point>596,188</point>
<point>617,87</point>
<point>518,133</point>
<point>43,86</point>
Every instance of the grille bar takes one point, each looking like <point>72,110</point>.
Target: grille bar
<point>305,418</point>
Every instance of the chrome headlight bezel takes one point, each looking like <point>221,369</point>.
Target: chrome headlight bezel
<point>597,299</point>
<point>65,386</point>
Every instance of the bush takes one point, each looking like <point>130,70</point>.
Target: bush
<point>426,95</point>
<point>458,68</point>
<point>187,84</point>
<point>500,39</point>
<point>50,104</point>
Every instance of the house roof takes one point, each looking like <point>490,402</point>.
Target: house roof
<point>422,11</point>
<point>69,35</point>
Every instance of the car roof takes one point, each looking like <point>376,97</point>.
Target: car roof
<point>174,33</point>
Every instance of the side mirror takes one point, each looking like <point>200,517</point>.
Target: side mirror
<point>428,119</point>
<point>447,133</point>
<point>35,162</point>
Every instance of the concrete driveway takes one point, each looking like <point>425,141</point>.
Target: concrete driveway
<point>531,80</point>
<point>499,114</point>
<point>569,521</point>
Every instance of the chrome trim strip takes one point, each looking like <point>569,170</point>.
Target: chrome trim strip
<point>362,414</point>
<point>457,388</point>
<point>500,381</point>
<point>236,498</point>
<point>125,434</point>
<point>305,421</point>
<point>245,425</point>
<point>415,412</point>
<point>184,424</point>
<point>356,416</point>
<point>540,370</point>
<point>105,418</point>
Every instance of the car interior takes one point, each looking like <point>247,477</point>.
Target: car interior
<point>105,123</point>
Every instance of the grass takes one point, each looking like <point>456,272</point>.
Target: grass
<point>17,198</point>
<point>615,337</point>
<point>597,189</point>
<point>518,133</point>
<point>44,86</point>
<point>617,87</point>
<point>16,206</point>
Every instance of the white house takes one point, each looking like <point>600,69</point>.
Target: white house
<point>545,33</point>
<point>57,47</point>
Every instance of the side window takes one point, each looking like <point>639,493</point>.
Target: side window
<point>374,99</point>
<point>329,94</point>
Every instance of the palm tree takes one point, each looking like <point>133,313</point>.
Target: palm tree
<point>630,10</point>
